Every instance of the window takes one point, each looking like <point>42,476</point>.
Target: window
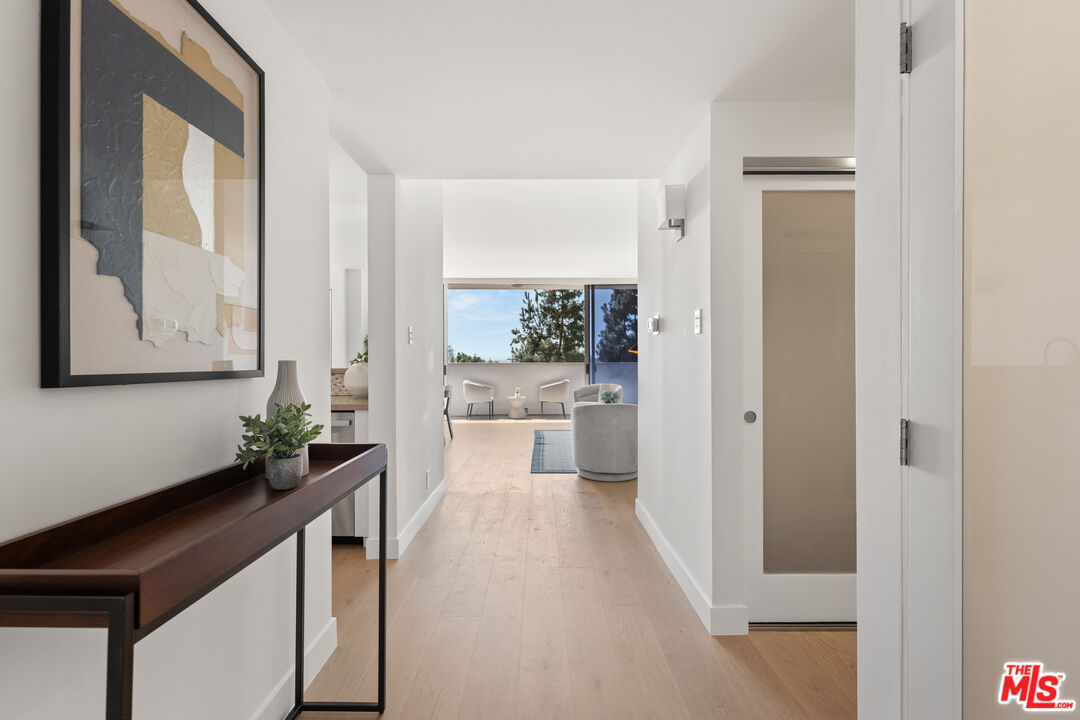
<point>507,324</point>
<point>613,337</point>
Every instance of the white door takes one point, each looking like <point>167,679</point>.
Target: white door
<point>909,328</point>
<point>931,364</point>
<point>799,392</point>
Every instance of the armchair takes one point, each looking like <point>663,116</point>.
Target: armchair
<point>554,392</point>
<point>478,393</point>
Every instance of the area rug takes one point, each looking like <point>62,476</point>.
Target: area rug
<point>553,452</point>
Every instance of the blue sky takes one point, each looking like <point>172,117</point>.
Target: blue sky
<point>479,321</point>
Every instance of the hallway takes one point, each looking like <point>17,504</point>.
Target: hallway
<point>541,596</point>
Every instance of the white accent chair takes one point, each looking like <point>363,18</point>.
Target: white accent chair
<point>555,392</point>
<point>605,440</point>
<point>593,393</point>
<point>478,393</point>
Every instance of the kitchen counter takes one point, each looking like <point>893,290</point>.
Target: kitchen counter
<point>346,403</point>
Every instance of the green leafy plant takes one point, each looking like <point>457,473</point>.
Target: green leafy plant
<point>361,357</point>
<point>609,397</point>
<point>279,437</point>
<point>460,357</point>
<point>552,327</point>
<point>619,328</point>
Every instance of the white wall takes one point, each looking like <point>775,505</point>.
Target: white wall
<point>348,254</point>
<point>1021,372</point>
<point>406,379</point>
<point>419,304</point>
<point>77,450</point>
<point>566,229</point>
<point>674,485</point>
<point>652,244</point>
<point>504,377</point>
<point>690,493</point>
<point>382,348</point>
<point>356,312</point>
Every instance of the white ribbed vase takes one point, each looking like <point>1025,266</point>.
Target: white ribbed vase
<point>287,392</point>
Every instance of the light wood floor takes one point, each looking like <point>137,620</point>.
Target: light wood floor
<point>541,596</point>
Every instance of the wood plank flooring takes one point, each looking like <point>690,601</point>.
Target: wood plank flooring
<point>541,596</point>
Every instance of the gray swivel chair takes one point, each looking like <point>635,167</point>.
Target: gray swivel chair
<point>605,441</point>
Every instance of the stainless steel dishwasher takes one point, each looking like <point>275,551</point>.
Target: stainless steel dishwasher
<point>348,519</point>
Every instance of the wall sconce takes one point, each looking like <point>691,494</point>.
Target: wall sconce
<point>653,324</point>
<point>671,208</point>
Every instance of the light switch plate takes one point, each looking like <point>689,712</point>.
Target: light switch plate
<point>697,321</point>
<point>411,334</point>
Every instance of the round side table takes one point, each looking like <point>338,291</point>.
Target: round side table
<point>517,407</point>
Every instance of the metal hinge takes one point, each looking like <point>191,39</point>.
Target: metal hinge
<point>904,441</point>
<point>905,48</point>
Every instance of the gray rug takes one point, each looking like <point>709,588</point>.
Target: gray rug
<point>553,452</point>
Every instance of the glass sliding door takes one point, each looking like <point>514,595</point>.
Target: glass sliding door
<point>612,336</point>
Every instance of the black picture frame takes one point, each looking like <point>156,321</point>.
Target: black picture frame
<point>55,219</point>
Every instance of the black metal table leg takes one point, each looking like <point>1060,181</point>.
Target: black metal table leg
<point>298,680</point>
<point>382,591</point>
<point>120,669</point>
<point>300,705</point>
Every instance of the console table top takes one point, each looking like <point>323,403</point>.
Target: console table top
<point>172,546</point>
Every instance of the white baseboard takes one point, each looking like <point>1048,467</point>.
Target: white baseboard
<point>729,619</point>
<point>318,651</point>
<point>420,517</point>
<point>395,546</point>
<point>371,545</point>
<point>717,619</point>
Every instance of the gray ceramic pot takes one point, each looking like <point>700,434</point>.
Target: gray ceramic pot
<point>284,473</point>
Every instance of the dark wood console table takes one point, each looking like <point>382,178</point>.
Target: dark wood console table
<point>132,567</point>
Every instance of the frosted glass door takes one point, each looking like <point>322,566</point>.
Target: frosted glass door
<point>808,313</point>
<point>800,381</point>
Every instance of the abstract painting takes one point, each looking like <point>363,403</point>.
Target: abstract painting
<point>152,194</point>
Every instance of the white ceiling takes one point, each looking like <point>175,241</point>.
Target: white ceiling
<point>557,88</point>
<point>550,229</point>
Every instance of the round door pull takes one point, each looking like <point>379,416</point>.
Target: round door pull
<point>750,417</point>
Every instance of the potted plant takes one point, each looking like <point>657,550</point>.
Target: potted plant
<point>356,376</point>
<point>279,440</point>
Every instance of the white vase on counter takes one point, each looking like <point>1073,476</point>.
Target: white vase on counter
<point>356,379</point>
<point>287,392</point>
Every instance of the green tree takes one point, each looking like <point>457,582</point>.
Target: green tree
<point>620,327</point>
<point>552,327</point>
<point>461,357</point>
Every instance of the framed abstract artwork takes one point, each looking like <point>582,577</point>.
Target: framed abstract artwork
<point>151,196</point>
